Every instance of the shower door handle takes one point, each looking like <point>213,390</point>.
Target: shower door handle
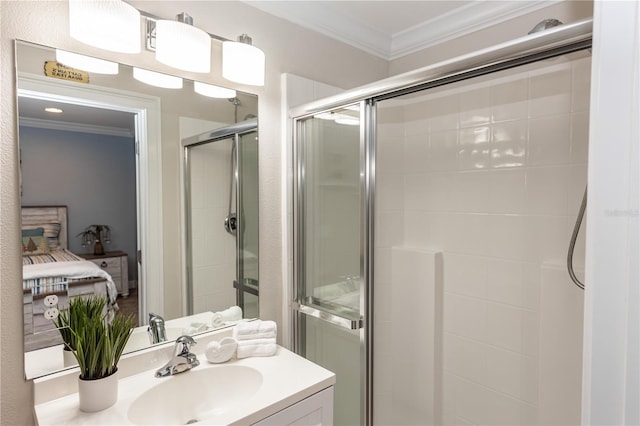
<point>348,323</point>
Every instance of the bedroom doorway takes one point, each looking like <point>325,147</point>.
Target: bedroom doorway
<point>144,251</point>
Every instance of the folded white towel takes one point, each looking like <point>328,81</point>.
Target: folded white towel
<point>256,347</point>
<point>222,351</point>
<point>257,329</point>
<point>234,313</point>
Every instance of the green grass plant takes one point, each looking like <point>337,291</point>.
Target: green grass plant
<point>97,343</point>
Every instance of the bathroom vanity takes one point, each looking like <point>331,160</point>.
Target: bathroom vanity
<point>276,390</point>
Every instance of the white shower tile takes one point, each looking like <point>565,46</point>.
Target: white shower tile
<point>580,84</point>
<point>465,316</point>
<point>443,151</point>
<point>389,191</point>
<point>506,236</point>
<point>440,187</point>
<point>507,191</point>
<point>418,193</point>
<point>470,192</point>
<point>475,107</point>
<point>547,191</point>
<point>505,410</point>
<point>382,301</point>
<point>509,144</point>
<point>505,281</point>
<point>561,324</point>
<point>465,274</point>
<point>550,92</point>
<point>549,140</point>
<point>417,155</point>
<point>472,402</point>
<point>419,127</point>
<point>389,228</point>
<point>512,373</point>
<point>579,137</point>
<point>469,233</point>
<point>417,230</point>
<point>474,148</point>
<point>509,100</point>
<point>443,113</point>
<point>545,239</point>
<point>382,265</point>
<point>512,328</point>
<point>390,154</point>
<point>465,358</point>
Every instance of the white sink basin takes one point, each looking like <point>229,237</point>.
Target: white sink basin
<point>195,395</point>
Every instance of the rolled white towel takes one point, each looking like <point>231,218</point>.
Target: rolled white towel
<point>257,329</point>
<point>233,313</point>
<point>222,351</point>
<point>256,347</point>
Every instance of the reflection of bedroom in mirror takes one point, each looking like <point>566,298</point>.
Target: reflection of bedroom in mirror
<point>99,182</point>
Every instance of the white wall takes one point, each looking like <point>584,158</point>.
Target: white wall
<point>288,48</point>
<point>491,173</point>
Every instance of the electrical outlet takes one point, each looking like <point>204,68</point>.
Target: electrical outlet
<point>51,300</point>
<point>51,313</point>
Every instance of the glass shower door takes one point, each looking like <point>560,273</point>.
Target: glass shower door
<point>329,253</point>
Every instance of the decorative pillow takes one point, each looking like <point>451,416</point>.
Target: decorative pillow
<point>51,231</point>
<point>34,241</point>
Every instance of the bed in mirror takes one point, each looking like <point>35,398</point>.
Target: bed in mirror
<point>116,157</point>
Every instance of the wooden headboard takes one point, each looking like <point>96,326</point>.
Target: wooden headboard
<point>33,215</point>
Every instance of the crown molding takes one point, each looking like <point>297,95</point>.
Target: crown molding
<point>75,127</point>
<point>323,18</point>
<point>462,21</point>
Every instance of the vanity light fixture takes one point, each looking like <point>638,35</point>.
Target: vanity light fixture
<point>243,63</point>
<point>213,91</point>
<point>157,79</point>
<point>53,110</point>
<point>107,24</point>
<point>86,63</point>
<point>181,45</point>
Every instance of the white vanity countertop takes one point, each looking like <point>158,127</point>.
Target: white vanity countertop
<point>286,379</point>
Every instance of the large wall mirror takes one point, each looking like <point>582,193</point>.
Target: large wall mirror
<point>166,179</point>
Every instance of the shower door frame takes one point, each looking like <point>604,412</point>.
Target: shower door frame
<point>532,48</point>
<point>233,132</point>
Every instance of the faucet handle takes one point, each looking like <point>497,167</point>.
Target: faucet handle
<point>186,342</point>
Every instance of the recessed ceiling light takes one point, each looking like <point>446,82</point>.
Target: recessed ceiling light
<point>54,110</point>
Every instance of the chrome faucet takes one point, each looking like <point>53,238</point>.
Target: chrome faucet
<point>182,359</point>
<point>156,330</point>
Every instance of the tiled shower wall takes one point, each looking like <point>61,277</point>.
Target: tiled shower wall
<point>489,172</point>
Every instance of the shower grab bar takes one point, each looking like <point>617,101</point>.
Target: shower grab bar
<point>349,324</point>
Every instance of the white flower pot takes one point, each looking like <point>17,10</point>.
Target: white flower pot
<point>97,395</point>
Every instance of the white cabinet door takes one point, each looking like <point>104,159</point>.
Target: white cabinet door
<point>316,410</point>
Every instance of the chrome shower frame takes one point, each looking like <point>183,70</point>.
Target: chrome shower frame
<point>538,46</point>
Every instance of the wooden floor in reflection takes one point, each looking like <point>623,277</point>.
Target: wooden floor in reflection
<point>129,304</point>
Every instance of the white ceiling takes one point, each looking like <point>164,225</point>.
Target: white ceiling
<point>392,29</point>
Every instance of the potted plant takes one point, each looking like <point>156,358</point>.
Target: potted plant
<point>97,344</point>
<point>93,234</point>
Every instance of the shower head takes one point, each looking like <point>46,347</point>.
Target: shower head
<point>544,25</point>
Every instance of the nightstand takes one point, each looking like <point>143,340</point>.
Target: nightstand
<point>115,263</point>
